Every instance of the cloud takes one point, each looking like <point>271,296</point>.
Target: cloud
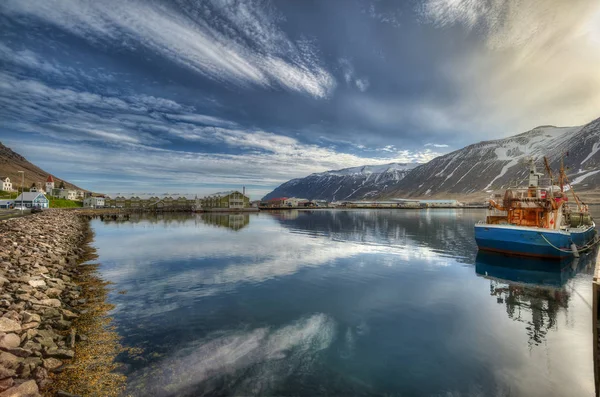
<point>350,75</point>
<point>438,145</point>
<point>534,62</point>
<point>269,354</point>
<point>237,43</point>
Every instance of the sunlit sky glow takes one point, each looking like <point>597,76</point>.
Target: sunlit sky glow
<point>200,96</point>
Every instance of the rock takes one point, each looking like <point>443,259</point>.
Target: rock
<point>60,353</point>
<point>30,325</point>
<point>37,283</point>
<point>6,373</point>
<point>8,325</point>
<point>6,384</point>
<point>50,302</point>
<point>62,325</point>
<point>52,363</point>
<point>20,352</point>
<point>9,341</point>
<point>29,317</point>
<point>53,292</point>
<point>65,394</point>
<point>3,281</point>
<point>40,374</point>
<point>9,360</point>
<point>69,315</point>
<point>27,389</point>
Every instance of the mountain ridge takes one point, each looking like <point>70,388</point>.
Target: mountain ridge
<point>479,168</point>
<point>11,162</point>
<point>343,184</point>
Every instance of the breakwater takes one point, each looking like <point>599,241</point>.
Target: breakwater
<point>46,299</point>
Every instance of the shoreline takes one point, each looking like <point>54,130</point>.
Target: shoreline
<point>53,309</point>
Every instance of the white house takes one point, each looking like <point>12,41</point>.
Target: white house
<point>32,199</point>
<point>93,202</point>
<point>6,184</point>
<point>67,194</point>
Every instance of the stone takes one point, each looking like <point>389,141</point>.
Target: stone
<point>6,384</point>
<point>29,317</point>
<point>69,315</point>
<point>52,363</point>
<point>27,389</point>
<point>37,283</point>
<point>60,353</point>
<point>3,281</point>
<point>9,341</point>
<point>40,374</point>
<point>30,325</point>
<point>62,325</point>
<point>53,292</point>
<point>65,394</point>
<point>6,373</point>
<point>8,325</point>
<point>20,352</point>
<point>9,360</point>
<point>50,302</point>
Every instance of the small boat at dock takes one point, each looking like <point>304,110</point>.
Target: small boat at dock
<point>536,221</point>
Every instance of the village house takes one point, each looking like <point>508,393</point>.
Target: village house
<point>32,200</point>
<point>6,184</point>
<point>66,194</point>
<point>93,202</point>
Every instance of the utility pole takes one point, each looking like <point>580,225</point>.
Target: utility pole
<point>22,191</point>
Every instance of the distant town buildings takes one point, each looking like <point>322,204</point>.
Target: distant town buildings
<point>6,184</point>
<point>232,199</point>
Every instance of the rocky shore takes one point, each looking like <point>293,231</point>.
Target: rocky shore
<point>40,299</point>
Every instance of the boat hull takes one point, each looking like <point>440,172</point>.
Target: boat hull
<point>531,241</point>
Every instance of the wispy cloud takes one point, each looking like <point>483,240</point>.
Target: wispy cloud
<point>350,76</point>
<point>538,59</point>
<point>438,145</point>
<point>237,43</point>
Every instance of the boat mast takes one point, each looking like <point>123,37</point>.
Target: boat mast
<point>549,171</point>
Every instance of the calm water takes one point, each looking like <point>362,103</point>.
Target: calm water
<point>373,302</point>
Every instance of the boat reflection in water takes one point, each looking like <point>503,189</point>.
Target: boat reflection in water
<point>533,290</point>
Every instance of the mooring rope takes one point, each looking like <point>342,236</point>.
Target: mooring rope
<point>582,249</point>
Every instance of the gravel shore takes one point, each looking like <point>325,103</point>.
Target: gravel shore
<point>40,299</point>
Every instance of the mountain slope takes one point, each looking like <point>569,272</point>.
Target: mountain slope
<point>348,183</point>
<point>493,165</point>
<point>12,162</point>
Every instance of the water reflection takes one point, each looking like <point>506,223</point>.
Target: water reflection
<point>533,290</point>
<point>369,302</point>
<point>234,221</point>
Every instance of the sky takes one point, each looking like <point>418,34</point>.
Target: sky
<point>197,96</point>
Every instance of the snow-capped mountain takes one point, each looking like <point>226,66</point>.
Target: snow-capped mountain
<point>348,183</point>
<point>492,165</point>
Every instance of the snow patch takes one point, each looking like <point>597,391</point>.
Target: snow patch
<point>595,149</point>
<point>582,177</point>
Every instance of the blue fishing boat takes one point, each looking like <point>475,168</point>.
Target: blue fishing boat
<point>538,222</point>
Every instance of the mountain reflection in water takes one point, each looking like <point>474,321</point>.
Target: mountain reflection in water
<point>358,302</point>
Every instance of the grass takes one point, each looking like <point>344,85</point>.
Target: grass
<point>8,195</point>
<point>63,203</point>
